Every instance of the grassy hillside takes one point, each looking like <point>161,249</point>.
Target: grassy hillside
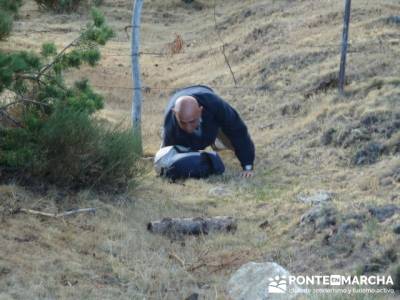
<point>285,56</point>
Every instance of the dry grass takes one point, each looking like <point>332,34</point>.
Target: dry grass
<point>284,47</point>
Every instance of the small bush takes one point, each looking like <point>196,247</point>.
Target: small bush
<point>5,24</point>
<point>48,132</point>
<point>8,9</point>
<point>82,152</point>
<point>11,5</point>
<point>71,149</point>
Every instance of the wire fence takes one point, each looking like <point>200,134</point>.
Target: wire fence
<point>353,47</point>
<point>378,46</point>
<point>327,49</point>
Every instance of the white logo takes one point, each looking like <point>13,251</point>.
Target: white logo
<point>277,285</point>
<point>335,280</point>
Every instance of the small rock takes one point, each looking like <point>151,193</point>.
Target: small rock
<point>219,191</point>
<point>193,296</point>
<point>319,197</point>
<point>342,241</point>
<point>327,137</point>
<point>369,154</point>
<point>356,135</point>
<point>396,229</point>
<point>346,227</point>
<point>290,109</point>
<point>369,119</point>
<point>321,216</point>
<point>386,181</point>
<point>266,126</point>
<point>260,281</point>
<point>383,212</point>
<point>394,19</point>
<point>371,268</point>
<point>396,175</point>
<point>359,217</point>
<point>4,270</point>
<point>264,224</point>
<point>247,13</point>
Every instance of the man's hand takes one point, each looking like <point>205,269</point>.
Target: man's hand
<point>247,174</point>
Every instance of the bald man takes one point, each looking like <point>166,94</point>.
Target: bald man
<point>196,118</point>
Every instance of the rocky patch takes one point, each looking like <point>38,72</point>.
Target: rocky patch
<point>319,217</point>
<point>368,154</point>
<point>383,212</point>
<point>369,138</point>
<point>317,198</point>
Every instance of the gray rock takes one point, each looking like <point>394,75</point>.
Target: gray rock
<point>219,191</point>
<point>359,217</point>
<point>260,281</point>
<point>355,136</point>
<point>396,175</point>
<point>194,296</point>
<point>396,229</point>
<point>394,19</point>
<point>327,137</point>
<point>342,241</point>
<point>383,212</point>
<point>321,216</point>
<point>319,197</point>
<point>386,181</point>
<point>369,154</point>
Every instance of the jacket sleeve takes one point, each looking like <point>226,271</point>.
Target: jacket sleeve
<point>167,136</point>
<point>236,131</point>
<point>166,140</point>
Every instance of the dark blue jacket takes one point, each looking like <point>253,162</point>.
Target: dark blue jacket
<point>216,114</point>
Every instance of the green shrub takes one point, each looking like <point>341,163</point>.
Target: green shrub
<point>71,149</point>
<point>10,5</point>
<point>82,152</point>
<point>8,9</point>
<point>53,135</point>
<point>5,24</point>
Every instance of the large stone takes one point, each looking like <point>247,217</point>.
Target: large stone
<point>260,281</point>
<point>317,198</point>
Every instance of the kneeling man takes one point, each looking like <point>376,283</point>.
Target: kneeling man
<point>196,118</point>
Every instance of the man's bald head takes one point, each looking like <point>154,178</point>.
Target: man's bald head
<point>187,112</point>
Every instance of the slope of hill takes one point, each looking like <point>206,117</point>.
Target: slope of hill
<point>285,57</point>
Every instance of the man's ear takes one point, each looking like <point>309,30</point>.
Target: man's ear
<point>201,108</point>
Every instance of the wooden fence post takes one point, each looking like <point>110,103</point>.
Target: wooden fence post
<point>345,37</point>
<point>137,88</point>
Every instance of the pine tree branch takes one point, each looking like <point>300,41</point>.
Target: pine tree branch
<point>7,116</point>
<point>60,54</point>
